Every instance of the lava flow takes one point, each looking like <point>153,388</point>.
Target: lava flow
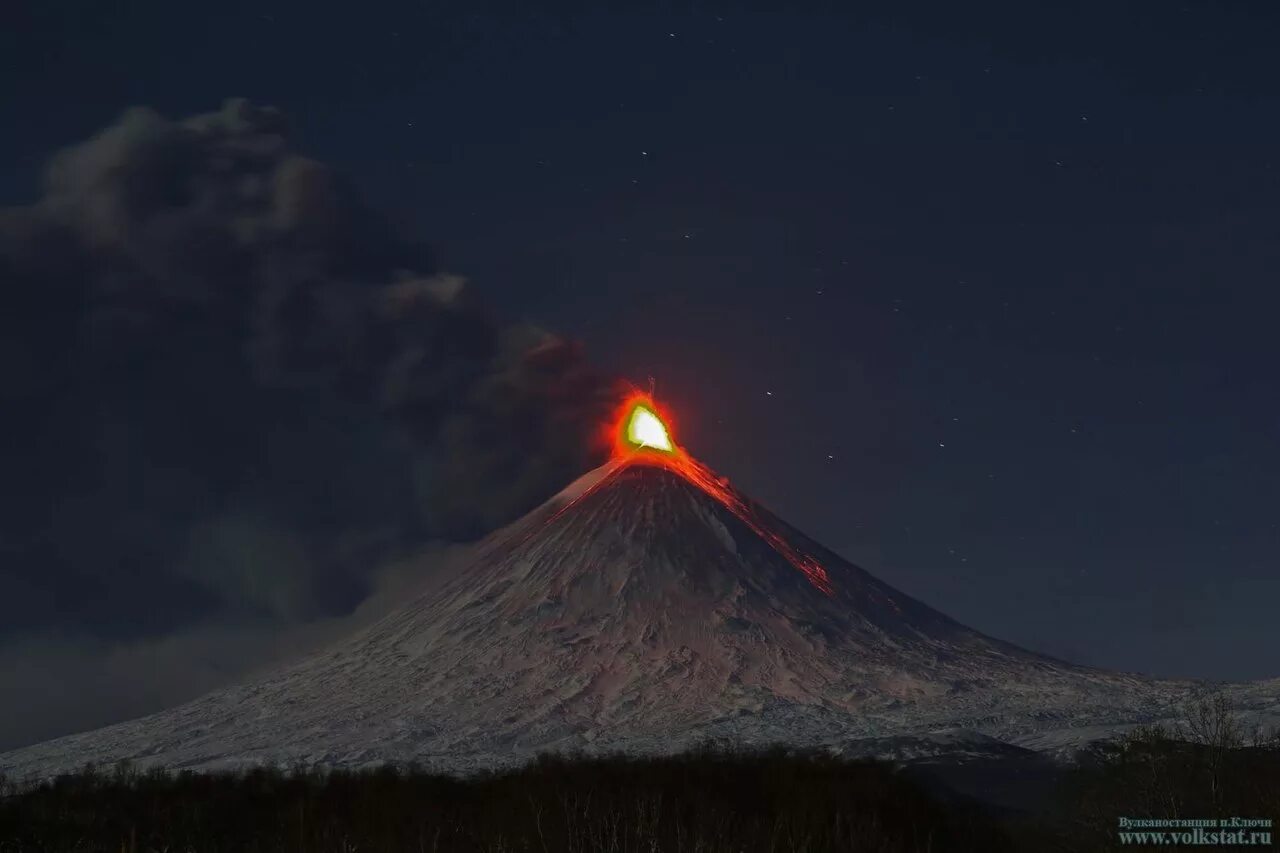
<point>642,435</point>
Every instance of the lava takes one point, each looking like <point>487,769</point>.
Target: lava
<point>645,429</point>
<point>642,434</point>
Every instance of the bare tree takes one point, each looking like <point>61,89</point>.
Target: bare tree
<point>1212,725</point>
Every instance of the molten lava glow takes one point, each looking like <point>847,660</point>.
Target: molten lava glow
<point>646,429</point>
<point>718,487</point>
<point>641,428</point>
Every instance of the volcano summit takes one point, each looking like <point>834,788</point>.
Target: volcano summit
<point>647,607</point>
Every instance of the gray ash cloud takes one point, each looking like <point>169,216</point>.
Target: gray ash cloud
<point>231,388</point>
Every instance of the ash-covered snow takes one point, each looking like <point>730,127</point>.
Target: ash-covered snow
<point>634,612</point>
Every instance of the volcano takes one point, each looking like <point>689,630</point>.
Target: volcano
<point>646,608</point>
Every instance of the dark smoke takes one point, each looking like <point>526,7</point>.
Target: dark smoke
<point>230,388</point>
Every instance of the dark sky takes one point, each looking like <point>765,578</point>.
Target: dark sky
<point>982,297</point>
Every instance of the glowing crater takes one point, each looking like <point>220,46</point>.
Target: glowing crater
<point>646,429</point>
<point>641,435</point>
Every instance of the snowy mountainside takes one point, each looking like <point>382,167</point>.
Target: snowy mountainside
<point>635,612</point>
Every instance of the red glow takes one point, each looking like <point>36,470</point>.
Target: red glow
<point>623,447</point>
<point>708,481</point>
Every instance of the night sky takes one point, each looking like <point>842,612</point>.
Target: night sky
<point>983,298</point>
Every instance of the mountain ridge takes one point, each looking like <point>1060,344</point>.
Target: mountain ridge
<point>637,611</point>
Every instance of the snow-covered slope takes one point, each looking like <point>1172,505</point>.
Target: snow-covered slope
<point>634,611</point>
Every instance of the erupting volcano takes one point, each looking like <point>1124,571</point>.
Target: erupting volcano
<point>645,608</point>
<point>646,439</point>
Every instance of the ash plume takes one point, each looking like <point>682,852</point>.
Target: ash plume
<point>231,388</point>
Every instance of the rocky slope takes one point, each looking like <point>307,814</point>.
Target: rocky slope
<point>634,611</point>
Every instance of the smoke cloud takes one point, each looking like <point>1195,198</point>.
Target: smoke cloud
<point>231,391</point>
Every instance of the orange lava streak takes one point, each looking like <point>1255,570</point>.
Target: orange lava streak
<point>717,487</point>
<point>710,483</point>
<point>547,522</point>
